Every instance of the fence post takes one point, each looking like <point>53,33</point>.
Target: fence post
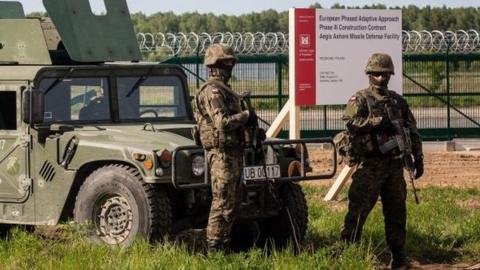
<point>325,119</point>
<point>447,71</point>
<point>197,69</point>
<point>279,83</point>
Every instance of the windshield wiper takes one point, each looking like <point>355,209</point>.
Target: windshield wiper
<point>57,81</point>
<point>139,82</point>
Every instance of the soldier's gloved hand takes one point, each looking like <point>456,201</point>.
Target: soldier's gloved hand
<point>387,124</point>
<point>376,121</point>
<point>252,118</point>
<point>262,134</point>
<point>383,123</point>
<point>418,167</point>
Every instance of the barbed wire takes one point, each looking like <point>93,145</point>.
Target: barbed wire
<point>436,41</point>
<point>188,44</point>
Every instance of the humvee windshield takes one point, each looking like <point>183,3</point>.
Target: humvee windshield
<point>91,98</point>
<point>156,96</point>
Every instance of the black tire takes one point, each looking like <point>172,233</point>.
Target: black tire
<point>119,206</point>
<point>5,230</point>
<point>290,226</point>
<point>244,235</point>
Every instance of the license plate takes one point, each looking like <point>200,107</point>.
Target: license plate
<point>258,172</point>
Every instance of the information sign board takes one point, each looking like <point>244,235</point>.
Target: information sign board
<point>329,49</point>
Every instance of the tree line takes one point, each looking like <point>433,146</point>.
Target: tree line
<point>414,18</point>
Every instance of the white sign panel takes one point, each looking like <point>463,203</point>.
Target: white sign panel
<point>331,49</point>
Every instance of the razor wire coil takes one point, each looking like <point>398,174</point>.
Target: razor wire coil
<point>249,43</point>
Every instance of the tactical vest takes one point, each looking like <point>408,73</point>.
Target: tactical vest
<point>206,133</point>
<point>389,107</point>
<point>355,147</point>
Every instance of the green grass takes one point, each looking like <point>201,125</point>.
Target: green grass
<point>444,228</point>
<point>440,230</point>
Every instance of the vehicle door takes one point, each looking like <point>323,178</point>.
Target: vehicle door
<point>14,144</point>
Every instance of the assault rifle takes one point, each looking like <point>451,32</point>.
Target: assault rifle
<point>402,140</point>
<point>254,135</point>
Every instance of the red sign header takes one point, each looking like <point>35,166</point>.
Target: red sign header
<point>305,56</point>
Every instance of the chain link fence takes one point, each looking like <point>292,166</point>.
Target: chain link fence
<point>441,80</point>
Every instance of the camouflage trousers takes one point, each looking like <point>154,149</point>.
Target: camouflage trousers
<point>378,177</point>
<point>225,172</point>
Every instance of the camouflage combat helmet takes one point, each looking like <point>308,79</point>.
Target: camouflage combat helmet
<point>380,62</point>
<point>218,52</point>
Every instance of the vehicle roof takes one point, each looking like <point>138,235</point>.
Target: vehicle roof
<point>30,72</point>
<point>115,66</point>
<point>132,69</point>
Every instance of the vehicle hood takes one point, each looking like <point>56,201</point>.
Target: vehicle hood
<point>152,137</point>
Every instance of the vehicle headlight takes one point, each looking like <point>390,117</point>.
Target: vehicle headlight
<point>198,165</point>
<point>164,158</point>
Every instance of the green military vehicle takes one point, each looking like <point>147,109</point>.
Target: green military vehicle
<point>90,133</point>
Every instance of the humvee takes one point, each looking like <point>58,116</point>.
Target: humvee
<point>90,133</point>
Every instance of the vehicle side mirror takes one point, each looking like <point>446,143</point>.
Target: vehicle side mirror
<point>33,106</point>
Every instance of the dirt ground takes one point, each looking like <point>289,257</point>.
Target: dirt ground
<point>452,169</point>
<point>457,169</point>
<point>442,169</point>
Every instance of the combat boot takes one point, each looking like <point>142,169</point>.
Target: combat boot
<point>399,259</point>
<point>214,248</point>
<point>349,236</point>
<point>223,247</point>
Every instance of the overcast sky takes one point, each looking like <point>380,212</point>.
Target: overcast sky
<point>237,7</point>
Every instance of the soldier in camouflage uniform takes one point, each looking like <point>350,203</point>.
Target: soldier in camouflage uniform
<point>379,173</point>
<point>221,123</point>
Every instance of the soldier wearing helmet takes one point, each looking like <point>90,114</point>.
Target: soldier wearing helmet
<point>368,116</point>
<point>221,122</point>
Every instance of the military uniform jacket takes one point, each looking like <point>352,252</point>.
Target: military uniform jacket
<point>366,113</point>
<point>219,115</point>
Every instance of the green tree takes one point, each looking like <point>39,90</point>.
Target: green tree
<point>414,18</point>
<point>338,6</point>
<point>193,22</point>
<point>216,24</point>
<point>251,22</point>
<point>268,20</point>
<point>37,14</point>
<point>375,6</point>
<point>464,18</point>
<point>163,22</point>
<point>283,22</point>
<point>316,5</point>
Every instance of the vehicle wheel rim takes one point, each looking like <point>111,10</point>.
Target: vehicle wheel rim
<point>113,219</point>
